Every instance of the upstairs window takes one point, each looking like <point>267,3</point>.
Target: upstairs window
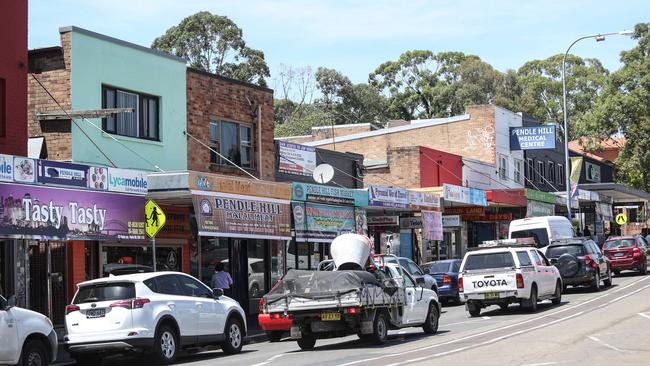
<point>530,170</point>
<point>519,166</point>
<point>143,123</point>
<point>540,172</point>
<point>551,172</point>
<point>503,167</point>
<point>560,174</point>
<point>232,140</point>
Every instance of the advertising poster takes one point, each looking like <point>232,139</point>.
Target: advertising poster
<point>432,222</point>
<point>296,159</point>
<point>230,215</point>
<point>98,178</point>
<point>63,174</point>
<point>124,180</point>
<point>387,196</point>
<point>24,169</point>
<point>32,212</point>
<point>319,223</point>
<point>6,168</point>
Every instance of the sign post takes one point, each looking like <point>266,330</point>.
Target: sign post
<point>154,221</point>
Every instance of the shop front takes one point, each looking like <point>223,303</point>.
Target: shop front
<point>540,203</point>
<point>424,226</point>
<point>477,224</point>
<point>385,207</point>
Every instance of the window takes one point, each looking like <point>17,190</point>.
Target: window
<point>234,141</point>
<point>489,261</point>
<point>104,292</point>
<point>503,167</point>
<point>518,171</point>
<point>536,258</point>
<point>142,123</point>
<point>3,107</point>
<point>541,174</point>
<point>193,288</point>
<point>530,170</point>
<point>560,174</point>
<point>524,259</point>
<point>168,285</point>
<point>540,236</point>
<point>551,172</point>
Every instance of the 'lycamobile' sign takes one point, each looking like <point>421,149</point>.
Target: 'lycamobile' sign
<point>532,138</point>
<point>127,181</point>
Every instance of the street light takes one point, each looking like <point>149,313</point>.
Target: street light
<point>567,170</point>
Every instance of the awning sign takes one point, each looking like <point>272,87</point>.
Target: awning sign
<point>532,138</point>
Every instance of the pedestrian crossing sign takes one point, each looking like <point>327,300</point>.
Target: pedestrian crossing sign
<point>621,219</point>
<point>154,218</point>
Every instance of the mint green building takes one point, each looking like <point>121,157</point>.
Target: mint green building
<point>110,73</point>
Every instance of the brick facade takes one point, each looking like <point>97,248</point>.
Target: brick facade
<point>213,97</point>
<point>51,66</point>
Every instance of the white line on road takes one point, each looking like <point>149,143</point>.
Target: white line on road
<point>644,315</point>
<point>542,364</point>
<point>605,344</point>
<point>485,317</point>
<point>269,360</point>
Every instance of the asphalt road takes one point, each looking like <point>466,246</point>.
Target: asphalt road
<point>610,327</point>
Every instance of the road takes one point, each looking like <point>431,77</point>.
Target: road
<point>610,327</point>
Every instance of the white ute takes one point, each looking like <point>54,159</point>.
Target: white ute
<point>504,272</point>
<point>26,337</point>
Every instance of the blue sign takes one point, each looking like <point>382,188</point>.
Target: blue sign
<point>532,138</point>
<point>477,197</point>
<point>61,173</point>
<point>328,194</point>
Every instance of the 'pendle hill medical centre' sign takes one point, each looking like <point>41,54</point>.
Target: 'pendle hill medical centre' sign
<point>532,138</point>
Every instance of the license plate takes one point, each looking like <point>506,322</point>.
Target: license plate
<point>619,254</point>
<point>95,313</point>
<point>491,295</point>
<point>330,316</point>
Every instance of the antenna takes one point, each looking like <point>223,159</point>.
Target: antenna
<point>323,173</point>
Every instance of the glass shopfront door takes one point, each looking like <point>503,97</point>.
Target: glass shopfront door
<point>127,259</point>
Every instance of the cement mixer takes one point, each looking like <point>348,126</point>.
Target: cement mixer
<point>351,252</point>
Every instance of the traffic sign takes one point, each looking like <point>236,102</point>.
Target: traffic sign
<point>154,218</point>
<point>621,219</point>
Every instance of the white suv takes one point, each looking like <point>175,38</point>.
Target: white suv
<point>155,312</point>
<point>505,275</point>
<point>26,337</point>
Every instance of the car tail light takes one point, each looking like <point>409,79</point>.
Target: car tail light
<point>137,303</point>
<point>71,309</point>
<point>520,280</point>
<point>587,260</point>
<point>261,306</point>
<point>446,280</point>
<point>460,285</point>
<point>636,252</point>
<point>353,310</point>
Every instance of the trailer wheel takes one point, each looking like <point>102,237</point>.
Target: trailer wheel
<point>306,343</point>
<point>430,325</point>
<point>379,328</point>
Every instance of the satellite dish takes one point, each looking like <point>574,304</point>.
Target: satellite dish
<point>323,173</point>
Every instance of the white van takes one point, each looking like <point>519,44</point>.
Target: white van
<point>544,229</point>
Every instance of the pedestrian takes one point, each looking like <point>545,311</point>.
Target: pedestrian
<point>587,232</point>
<point>647,237</point>
<point>221,279</point>
<point>578,234</point>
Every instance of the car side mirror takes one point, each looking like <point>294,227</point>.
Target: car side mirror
<point>420,281</point>
<point>11,302</point>
<point>217,292</point>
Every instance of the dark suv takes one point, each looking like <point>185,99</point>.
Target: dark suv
<point>580,262</point>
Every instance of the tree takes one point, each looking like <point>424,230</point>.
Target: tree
<point>624,108</point>
<point>312,116</point>
<point>295,88</point>
<point>215,44</point>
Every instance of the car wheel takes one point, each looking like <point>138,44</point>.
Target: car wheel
<point>34,354</point>
<point>557,297</point>
<point>234,337</point>
<point>608,281</point>
<point>503,306</point>
<point>473,308</point>
<point>531,303</point>
<point>430,326</point>
<point>306,342</point>
<point>165,345</point>
<point>644,270</point>
<point>617,273</point>
<point>379,328</point>
<point>274,336</point>
<point>595,284</point>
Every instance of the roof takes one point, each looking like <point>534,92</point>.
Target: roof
<point>619,192</point>
<point>385,131</point>
<point>613,143</point>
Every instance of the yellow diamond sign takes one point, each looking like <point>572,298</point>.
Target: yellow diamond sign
<point>154,218</point>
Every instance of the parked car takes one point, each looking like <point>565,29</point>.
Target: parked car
<point>158,312</point>
<point>627,253</point>
<point>544,229</point>
<point>446,274</point>
<point>415,271</point>
<point>580,262</point>
<point>26,337</point>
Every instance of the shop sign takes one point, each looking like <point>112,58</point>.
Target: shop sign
<point>63,174</point>
<point>477,197</point>
<point>464,210</point>
<point>178,222</point>
<point>321,223</point>
<point>383,220</point>
<point>536,208</point>
<point>296,159</point>
<point>238,185</point>
<point>450,220</point>
<point>592,172</point>
<point>98,178</point>
<point>604,210</point>
<point>535,195</point>
<point>24,169</point>
<point>124,180</point>
<point>454,193</point>
<point>489,217</point>
<point>237,216</point>
<point>6,168</point>
<point>387,196</point>
<point>327,194</point>
<point>586,195</point>
<point>31,212</point>
<point>423,199</point>
<point>432,225</point>
<point>532,138</point>
<point>414,222</point>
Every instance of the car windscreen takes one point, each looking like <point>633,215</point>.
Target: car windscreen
<point>555,251</point>
<point>440,267</point>
<point>619,243</point>
<point>489,261</point>
<point>105,292</point>
<point>540,235</point>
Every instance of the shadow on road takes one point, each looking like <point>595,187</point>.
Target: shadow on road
<point>393,339</point>
<point>183,358</point>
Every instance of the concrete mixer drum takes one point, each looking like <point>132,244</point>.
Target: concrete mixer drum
<point>350,251</point>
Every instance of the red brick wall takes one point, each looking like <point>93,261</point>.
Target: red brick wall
<point>13,71</point>
<point>76,265</point>
<point>213,97</point>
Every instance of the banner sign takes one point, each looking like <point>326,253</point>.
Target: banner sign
<point>238,185</point>
<point>321,223</point>
<point>535,195</point>
<point>122,180</point>
<point>6,168</point>
<point>296,159</point>
<point>592,172</point>
<point>32,212</point>
<point>230,215</point>
<point>477,197</point>
<point>383,220</point>
<point>64,174</point>
<point>432,224</point>
<point>467,195</point>
<point>24,169</point>
<point>388,197</point>
<point>451,220</point>
<point>464,210</point>
<point>327,194</point>
<point>414,222</point>
<point>488,217</point>
<point>536,208</point>
<point>532,138</point>
<point>423,199</point>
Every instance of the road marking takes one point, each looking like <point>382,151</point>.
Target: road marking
<point>605,344</point>
<point>627,295</point>
<point>498,329</point>
<point>542,364</point>
<point>644,315</point>
<point>485,317</point>
<point>270,359</point>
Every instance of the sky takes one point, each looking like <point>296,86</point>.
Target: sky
<point>355,37</point>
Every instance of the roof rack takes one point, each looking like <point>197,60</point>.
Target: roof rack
<point>507,243</point>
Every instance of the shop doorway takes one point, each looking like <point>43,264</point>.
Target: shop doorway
<point>485,231</point>
<point>48,293</point>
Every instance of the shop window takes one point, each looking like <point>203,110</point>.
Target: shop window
<point>232,140</point>
<point>120,260</point>
<point>560,174</point>
<point>142,123</point>
<point>551,172</point>
<point>213,251</point>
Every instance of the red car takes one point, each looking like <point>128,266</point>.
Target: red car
<point>273,325</point>
<point>627,253</point>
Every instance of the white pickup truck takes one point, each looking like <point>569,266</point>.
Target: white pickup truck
<point>503,273</point>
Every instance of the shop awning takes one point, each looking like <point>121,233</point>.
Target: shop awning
<point>507,197</point>
<point>620,193</point>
